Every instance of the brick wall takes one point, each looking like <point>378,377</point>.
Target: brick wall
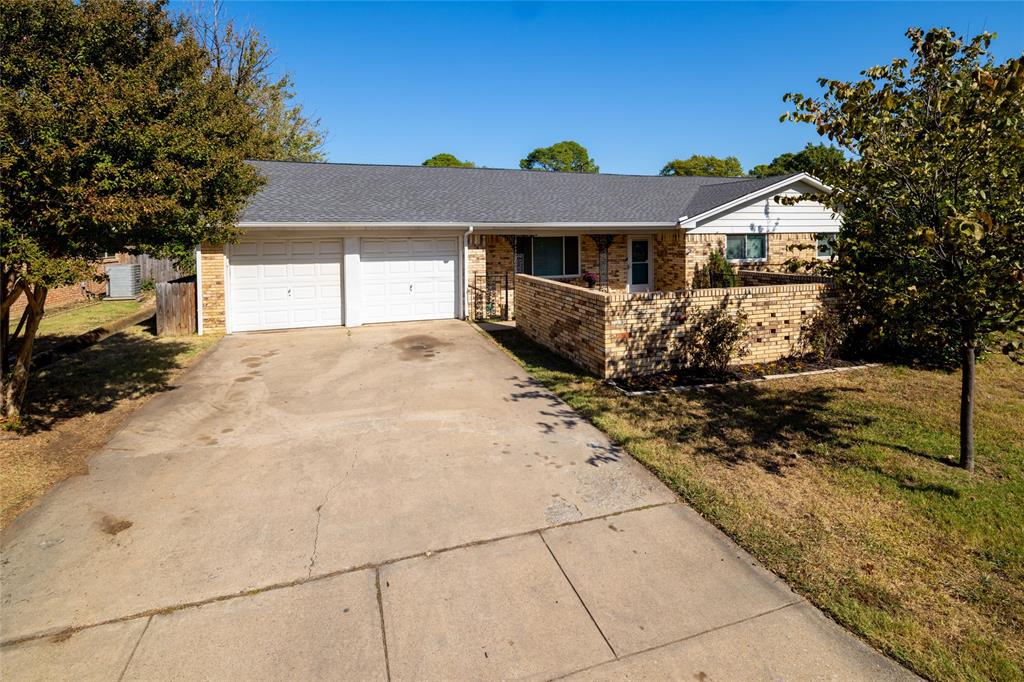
<point>212,260</point>
<point>700,246</point>
<point>751,278</point>
<point>59,297</point>
<point>669,261</point>
<point>566,319</point>
<point>618,334</point>
<point>645,331</point>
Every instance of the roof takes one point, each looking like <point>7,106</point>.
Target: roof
<point>298,192</point>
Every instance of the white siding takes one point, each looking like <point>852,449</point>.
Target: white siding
<point>765,215</point>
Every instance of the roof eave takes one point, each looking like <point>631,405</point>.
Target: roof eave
<point>690,223</point>
<point>478,227</point>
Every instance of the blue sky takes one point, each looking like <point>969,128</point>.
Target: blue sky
<point>638,84</point>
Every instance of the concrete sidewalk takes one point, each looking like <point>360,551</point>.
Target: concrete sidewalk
<point>401,502</point>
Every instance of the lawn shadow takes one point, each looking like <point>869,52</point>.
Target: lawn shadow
<point>126,365</point>
<point>772,428</point>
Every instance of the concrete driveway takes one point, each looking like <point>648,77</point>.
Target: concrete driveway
<point>391,502</point>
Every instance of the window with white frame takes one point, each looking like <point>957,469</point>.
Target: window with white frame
<point>554,256</point>
<point>746,247</point>
<point>825,245</point>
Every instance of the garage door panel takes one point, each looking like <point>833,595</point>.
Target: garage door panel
<point>409,279</point>
<point>280,283</point>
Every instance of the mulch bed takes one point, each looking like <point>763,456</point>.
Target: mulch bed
<point>686,377</point>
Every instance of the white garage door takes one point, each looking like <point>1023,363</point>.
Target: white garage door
<point>408,279</point>
<point>285,283</point>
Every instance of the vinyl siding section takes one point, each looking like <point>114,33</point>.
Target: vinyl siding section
<point>765,215</point>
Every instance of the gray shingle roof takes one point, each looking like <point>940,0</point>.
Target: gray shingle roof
<point>329,192</point>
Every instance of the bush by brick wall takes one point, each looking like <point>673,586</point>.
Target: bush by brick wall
<point>620,334</point>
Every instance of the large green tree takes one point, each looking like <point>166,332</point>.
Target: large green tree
<point>243,55</point>
<point>820,160</point>
<point>932,242</point>
<point>444,160</point>
<point>563,157</point>
<point>704,165</point>
<point>115,135</point>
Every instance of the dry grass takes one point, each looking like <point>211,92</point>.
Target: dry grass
<point>844,484</point>
<point>75,405</point>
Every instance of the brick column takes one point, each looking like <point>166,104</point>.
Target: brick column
<point>212,264</point>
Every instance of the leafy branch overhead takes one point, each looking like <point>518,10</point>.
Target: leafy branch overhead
<point>932,241</point>
<point>117,136</point>
<point>242,54</point>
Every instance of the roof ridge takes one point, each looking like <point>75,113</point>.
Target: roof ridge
<point>490,168</point>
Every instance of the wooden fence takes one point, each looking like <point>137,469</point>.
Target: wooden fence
<point>176,307</point>
<point>155,269</point>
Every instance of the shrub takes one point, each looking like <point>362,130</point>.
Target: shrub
<point>824,334</point>
<point>718,272</point>
<point>715,339</point>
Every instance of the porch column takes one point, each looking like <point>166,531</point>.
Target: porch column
<point>603,241</point>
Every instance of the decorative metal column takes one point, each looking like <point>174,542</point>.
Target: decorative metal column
<point>603,241</point>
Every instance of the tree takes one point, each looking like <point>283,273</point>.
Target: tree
<point>932,242</point>
<point>242,54</point>
<point>563,157</point>
<point>820,160</point>
<point>115,136</point>
<point>704,165</point>
<point>447,161</point>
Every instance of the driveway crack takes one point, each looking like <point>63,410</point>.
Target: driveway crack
<point>319,516</point>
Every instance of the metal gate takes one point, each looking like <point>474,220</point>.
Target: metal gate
<point>492,297</point>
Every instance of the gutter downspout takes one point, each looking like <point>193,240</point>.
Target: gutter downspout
<point>199,289</point>
<point>465,273</point>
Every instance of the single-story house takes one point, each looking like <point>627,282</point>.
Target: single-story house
<point>349,244</point>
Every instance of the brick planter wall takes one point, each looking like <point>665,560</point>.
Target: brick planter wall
<point>619,334</point>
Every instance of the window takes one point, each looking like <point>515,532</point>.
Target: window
<point>746,247</point>
<point>825,245</point>
<point>555,256</point>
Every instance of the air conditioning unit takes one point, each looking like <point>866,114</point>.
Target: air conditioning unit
<point>124,280</point>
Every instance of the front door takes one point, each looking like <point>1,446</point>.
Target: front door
<point>640,272</point>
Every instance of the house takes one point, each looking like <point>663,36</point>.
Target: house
<point>347,244</point>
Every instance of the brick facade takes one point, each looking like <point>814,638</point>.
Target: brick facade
<point>669,261</point>
<point>212,264</point>
<point>619,334</point>
<point>700,246</point>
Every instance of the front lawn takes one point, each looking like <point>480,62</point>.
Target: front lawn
<point>75,404</point>
<point>64,324</point>
<point>844,484</point>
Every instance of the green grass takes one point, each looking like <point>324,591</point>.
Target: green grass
<point>80,320</point>
<point>64,324</point>
<point>845,485</point>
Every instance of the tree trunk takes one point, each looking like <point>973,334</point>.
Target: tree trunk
<point>967,353</point>
<point>14,385</point>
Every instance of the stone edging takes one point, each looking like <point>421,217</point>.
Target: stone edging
<point>767,377</point>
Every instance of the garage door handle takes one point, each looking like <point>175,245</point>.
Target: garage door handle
<point>410,287</point>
